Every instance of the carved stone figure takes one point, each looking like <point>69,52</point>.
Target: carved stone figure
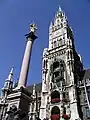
<point>33,28</point>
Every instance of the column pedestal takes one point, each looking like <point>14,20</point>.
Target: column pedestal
<point>20,98</point>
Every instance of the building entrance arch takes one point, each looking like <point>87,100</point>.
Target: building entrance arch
<point>55,113</point>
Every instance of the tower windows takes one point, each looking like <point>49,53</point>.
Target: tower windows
<point>55,44</point>
<point>55,113</point>
<point>60,39</point>
<point>58,21</point>
<point>56,74</point>
<point>61,20</point>
<point>55,97</point>
<point>63,37</point>
<point>68,55</point>
<point>55,110</point>
<point>45,64</point>
<point>71,54</point>
<point>51,85</point>
<point>87,113</point>
<point>61,25</point>
<point>55,65</point>
<point>64,110</point>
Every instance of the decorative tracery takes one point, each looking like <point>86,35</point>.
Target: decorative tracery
<point>57,70</point>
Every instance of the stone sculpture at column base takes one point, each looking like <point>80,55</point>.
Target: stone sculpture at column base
<point>20,98</point>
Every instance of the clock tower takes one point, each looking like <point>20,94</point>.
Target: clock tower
<point>61,66</point>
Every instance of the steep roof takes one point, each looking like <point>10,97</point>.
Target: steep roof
<point>37,86</point>
<point>85,74</point>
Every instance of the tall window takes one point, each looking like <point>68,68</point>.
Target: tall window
<point>61,25</point>
<point>55,44</point>
<point>55,97</point>
<point>55,65</point>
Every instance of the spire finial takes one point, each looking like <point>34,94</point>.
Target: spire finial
<point>10,74</point>
<point>34,86</point>
<point>34,89</point>
<point>59,8</point>
<point>51,24</point>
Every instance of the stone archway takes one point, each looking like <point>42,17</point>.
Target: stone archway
<point>55,113</point>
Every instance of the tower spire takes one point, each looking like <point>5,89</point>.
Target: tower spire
<point>59,8</point>
<point>10,74</point>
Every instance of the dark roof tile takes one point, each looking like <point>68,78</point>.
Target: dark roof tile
<point>86,74</point>
<point>38,87</point>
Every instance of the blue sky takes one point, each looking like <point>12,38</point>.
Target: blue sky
<point>15,17</point>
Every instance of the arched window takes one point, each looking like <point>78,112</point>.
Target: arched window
<point>55,110</point>
<point>55,113</point>
<point>55,97</point>
<point>58,21</point>
<point>55,44</point>
<point>56,74</point>
<point>68,55</point>
<point>61,25</point>
<point>55,65</point>
<point>71,54</point>
<point>61,65</point>
<point>60,39</point>
<point>64,110</point>
<point>44,64</point>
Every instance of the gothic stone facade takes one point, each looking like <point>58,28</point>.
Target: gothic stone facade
<point>65,89</point>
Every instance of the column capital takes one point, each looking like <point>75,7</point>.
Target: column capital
<point>31,35</point>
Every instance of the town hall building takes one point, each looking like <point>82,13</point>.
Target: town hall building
<point>63,94</point>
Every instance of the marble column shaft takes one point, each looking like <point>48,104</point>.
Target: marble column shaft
<point>26,59</point>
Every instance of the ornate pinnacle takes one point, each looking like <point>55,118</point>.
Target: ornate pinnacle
<point>10,74</point>
<point>59,9</point>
